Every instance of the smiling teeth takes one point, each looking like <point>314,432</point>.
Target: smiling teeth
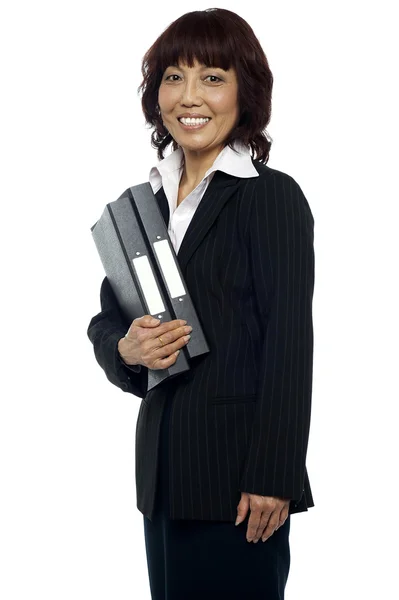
<point>187,121</point>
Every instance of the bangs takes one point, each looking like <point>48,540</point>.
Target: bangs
<point>195,38</point>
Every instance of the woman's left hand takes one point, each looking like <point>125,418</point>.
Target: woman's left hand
<point>267,514</point>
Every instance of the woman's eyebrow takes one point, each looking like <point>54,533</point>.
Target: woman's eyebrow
<point>200,69</point>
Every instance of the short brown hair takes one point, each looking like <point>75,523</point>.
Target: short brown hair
<point>216,37</point>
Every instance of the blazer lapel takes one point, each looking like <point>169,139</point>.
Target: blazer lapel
<point>221,188</point>
<point>163,205</point>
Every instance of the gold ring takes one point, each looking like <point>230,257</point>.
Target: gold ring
<point>160,339</point>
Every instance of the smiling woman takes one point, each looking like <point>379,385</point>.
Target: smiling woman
<point>224,444</point>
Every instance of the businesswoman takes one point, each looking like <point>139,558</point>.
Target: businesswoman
<point>220,449</point>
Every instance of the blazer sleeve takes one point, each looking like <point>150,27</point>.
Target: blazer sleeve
<point>281,234</point>
<point>104,331</point>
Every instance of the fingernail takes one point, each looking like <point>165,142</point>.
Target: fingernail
<point>238,521</point>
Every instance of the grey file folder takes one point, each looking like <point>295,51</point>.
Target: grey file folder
<point>142,268</point>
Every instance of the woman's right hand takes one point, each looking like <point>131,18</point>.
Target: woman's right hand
<point>141,345</point>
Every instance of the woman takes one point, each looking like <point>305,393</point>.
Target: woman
<point>226,441</point>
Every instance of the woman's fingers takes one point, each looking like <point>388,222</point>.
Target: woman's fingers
<point>161,354</point>
<point>165,363</point>
<point>167,353</point>
<point>170,337</point>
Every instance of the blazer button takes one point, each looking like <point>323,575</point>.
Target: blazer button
<point>124,385</point>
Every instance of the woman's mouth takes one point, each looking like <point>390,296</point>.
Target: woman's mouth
<point>193,124</point>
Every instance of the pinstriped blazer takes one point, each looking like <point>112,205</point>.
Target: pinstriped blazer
<point>240,418</point>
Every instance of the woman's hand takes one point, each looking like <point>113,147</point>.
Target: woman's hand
<point>267,514</point>
<point>141,345</point>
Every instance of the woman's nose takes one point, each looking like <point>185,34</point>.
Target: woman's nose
<point>190,93</point>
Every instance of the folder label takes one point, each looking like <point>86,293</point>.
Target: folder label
<point>169,269</point>
<point>148,284</point>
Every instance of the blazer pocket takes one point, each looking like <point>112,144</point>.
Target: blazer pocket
<point>233,399</point>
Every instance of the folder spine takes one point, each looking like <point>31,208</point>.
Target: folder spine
<point>181,306</point>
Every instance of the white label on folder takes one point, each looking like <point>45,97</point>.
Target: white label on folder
<point>149,284</point>
<point>170,271</point>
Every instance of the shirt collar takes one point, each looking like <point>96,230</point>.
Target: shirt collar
<point>238,165</point>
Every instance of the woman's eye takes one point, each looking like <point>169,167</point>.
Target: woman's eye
<point>175,75</point>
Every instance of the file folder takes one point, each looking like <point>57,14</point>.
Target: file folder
<point>143,270</point>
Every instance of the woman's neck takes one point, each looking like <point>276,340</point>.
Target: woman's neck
<point>195,165</point>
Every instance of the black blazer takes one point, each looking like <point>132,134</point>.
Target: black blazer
<point>240,418</point>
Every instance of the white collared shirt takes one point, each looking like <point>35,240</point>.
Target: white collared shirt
<point>168,172</point>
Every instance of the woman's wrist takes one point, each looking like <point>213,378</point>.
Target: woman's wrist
<point>121,349</point>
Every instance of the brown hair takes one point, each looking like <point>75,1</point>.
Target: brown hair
<point>216,37</point>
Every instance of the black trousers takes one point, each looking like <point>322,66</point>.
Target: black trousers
<point>194,559</point>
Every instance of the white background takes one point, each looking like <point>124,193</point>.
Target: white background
<point>73,138</point>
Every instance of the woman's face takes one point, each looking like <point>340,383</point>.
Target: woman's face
<point>211,92</point>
